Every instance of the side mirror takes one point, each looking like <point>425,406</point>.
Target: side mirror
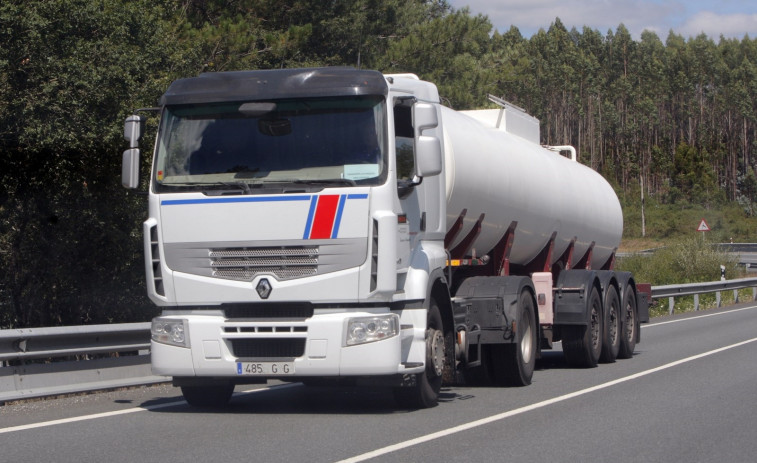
<point>130,168</point>
<point>134,127</point>
<point>428,156</point>
<point>428,149</point>
<point>424,117</point>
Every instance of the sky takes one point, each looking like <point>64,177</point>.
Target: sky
<point>689,18</point>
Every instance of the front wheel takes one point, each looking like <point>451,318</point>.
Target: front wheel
<point>216,395</point>
<point>425,392</point>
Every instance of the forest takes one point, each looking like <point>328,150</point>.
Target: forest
<point>672,119</point>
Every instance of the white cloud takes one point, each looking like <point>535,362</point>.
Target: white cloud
<point>714,24</point>
<point>659,16</point>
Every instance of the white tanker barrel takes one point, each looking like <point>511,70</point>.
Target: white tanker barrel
<point>507,178</point>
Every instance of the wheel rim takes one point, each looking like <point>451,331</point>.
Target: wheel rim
<point>526,343</point>
<point>595,328</point>
<point>630,323</point>
<point>613,328</point>
<point>435,352</point>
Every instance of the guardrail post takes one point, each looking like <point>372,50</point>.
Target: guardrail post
<point>722,278</point>
<point>671,304</point>
<point>735,296</point>
<point>754,293</point>
<point>696,302</point>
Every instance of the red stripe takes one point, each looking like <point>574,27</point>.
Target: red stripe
<point>324,217</point>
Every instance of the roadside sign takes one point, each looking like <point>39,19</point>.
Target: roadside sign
<point>703,227</point>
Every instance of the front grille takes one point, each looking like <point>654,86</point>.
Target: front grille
<point>246,263</point>
<point>267,348</point>
<point>288,310</point>
<point>157,273</point>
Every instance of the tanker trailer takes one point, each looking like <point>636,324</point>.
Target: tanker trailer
<point>548,228</point>
<point>341,226</point>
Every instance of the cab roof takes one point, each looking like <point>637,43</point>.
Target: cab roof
<point>216,87</point>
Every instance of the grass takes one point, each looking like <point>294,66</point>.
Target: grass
<point>667,223</point>
<point>683,255</point>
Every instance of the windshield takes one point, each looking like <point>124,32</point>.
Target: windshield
<point>319,142</point>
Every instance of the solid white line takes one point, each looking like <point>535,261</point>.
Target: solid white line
<point>698,317</point>
<point>527,408</point>
<point>95,416</point>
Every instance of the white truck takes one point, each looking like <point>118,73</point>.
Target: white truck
<point>341,226</point>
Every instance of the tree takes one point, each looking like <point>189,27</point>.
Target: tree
<point>69,69</point>
<point>448,51</point>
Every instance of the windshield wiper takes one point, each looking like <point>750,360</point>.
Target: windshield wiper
<point>243,185</point>
<point>326,181</point>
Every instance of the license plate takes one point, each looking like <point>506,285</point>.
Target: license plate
<point>265,368</point>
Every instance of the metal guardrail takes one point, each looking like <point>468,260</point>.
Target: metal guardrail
<point>37,362</point>
<point>695,289</point>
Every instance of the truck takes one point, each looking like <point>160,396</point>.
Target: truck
<point>339,226</point>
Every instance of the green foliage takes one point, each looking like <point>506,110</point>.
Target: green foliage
<point>666,222</point>
<point>690,260</point>
<point>69,69</point>
<point>448,51</point>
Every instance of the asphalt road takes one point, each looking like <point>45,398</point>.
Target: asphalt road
<point>689,394</point>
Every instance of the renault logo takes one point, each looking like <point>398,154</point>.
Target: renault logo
<point>264,288</point>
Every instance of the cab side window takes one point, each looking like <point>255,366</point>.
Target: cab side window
<point>404,140</point>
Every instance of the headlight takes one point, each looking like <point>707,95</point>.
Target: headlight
<point>370,329</point>
<point>170,331</point>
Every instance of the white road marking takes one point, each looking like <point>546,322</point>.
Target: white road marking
<point>699,316</point>
<point>95,416</point>
<point>528,408</point>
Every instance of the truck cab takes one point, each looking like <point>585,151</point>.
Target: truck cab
<point>295,222</point>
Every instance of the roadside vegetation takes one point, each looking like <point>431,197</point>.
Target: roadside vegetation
<point>678,254</point>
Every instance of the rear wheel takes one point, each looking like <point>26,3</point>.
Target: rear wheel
<point>628,324</point>
<point>215,395</point>
<point>425,392</point>
<point>611,336</point>
<point>582,345</point>
<point>514,363</point>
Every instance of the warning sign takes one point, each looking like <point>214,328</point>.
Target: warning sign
<point>703,227</point>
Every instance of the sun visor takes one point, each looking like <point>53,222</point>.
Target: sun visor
<point>274,84</point>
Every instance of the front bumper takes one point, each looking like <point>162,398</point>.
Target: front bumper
<point>316,347</point>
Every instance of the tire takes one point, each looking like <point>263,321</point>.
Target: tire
<point>216,395</point>
<point>514,363</point>
<point>582,345</point>
<point>611,332</point>
<point>629,324</point>
<point>425,392</point>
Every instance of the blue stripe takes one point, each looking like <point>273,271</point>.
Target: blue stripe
<point>338,219</point>
<point>311,215</point>
<point>244,199</point>
<point>358,196</point>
